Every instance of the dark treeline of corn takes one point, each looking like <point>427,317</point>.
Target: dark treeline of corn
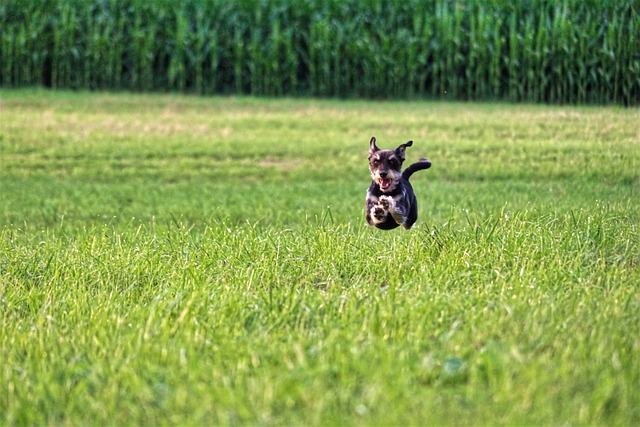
<point>569,51</point>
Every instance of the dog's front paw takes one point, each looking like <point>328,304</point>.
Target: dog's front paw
<point>386,202</point>
<point>379,213</point>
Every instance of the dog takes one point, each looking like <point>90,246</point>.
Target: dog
<point>391,201</point>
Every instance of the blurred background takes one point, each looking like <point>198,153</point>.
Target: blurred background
<point>560,52</point>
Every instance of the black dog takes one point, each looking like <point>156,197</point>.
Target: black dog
<point>390,198</point>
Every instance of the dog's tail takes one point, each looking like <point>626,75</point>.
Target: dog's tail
<point>422,164</point>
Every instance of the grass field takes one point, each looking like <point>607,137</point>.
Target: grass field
<point>187,260</point>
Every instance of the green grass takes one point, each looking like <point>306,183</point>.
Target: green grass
<point>182,260</point>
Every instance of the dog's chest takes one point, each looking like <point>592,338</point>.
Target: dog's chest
<point>398,198</point>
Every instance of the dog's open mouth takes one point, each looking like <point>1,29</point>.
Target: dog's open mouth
<point>385,183</point>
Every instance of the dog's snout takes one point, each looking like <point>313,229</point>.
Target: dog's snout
<point>383,174</point>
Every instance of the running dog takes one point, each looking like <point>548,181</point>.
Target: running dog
<point>390,199</point>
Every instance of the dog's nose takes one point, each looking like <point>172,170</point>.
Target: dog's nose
<point>383,174</point>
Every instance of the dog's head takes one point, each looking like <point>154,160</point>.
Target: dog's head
<point>386,165</point>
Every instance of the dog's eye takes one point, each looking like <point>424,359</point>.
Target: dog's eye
<point>394,163</point>
<point>376,162</point>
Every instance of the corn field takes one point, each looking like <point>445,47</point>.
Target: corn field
<point>564,52</point>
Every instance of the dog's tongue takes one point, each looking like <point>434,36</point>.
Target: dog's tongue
<point>385,183</point>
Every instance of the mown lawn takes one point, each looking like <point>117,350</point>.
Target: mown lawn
<point>187,260</point>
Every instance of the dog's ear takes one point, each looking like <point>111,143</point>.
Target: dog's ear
<point>401,149</point>
<point>372,146</point>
